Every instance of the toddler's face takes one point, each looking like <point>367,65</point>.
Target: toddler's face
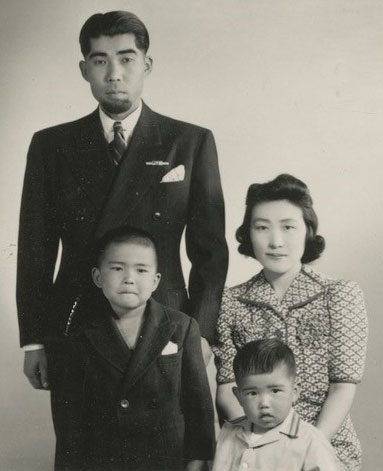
<point>127,275</point>
<point>267,398</point>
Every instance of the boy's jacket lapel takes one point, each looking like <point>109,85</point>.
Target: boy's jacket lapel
<point>104,337</point>
<point>156,333</point>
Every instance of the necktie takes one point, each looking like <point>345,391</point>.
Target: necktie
<point>118,145</point>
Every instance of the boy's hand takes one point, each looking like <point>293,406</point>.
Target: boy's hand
<point>197,465</point>
<point>35,368</point>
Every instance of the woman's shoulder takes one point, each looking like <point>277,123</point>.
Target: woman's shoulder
<point>331,284</point>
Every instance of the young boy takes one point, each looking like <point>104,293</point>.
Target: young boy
<point>129,385</point>
<point>271,437</point>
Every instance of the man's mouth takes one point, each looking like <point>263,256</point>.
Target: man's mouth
<point>116,92</point>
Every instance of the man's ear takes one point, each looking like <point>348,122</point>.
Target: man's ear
<point>82,65</point>
<point>148,65</point>
<point>237,394</point>
<point>96,277</point>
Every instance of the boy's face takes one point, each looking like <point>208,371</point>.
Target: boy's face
<point>267,398</point>
<point>127,275</point>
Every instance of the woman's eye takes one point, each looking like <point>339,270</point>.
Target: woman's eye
<point>276,391</point>
<point>260,228</point>
<point>289,227</point>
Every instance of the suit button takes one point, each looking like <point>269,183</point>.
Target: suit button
<point>124,403</point>
<point>157,216</point>
<point>153,404</point>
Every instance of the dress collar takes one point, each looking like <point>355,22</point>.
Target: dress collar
<point>306,286</point>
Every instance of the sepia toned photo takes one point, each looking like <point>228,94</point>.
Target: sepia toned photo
<point>191,225</point>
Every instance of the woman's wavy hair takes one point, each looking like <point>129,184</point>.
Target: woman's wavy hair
<point>283,187</point>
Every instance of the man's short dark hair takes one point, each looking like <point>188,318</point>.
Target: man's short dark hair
<point>112,24</point>
<point>120,235</point>
<point>263,356</point>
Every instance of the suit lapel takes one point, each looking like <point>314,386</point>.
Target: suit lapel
<point>105,338</point>
<point>156,333</point>
<point>90,161</point>
<point>134,177</point>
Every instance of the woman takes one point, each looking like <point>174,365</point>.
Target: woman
<point>321,319</point>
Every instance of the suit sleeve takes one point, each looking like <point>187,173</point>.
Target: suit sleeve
<point>205,237</point>
<point>37,245</point>
<point>197,404</point>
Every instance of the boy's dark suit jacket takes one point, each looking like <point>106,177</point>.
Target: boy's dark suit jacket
<point>73,192</point>
<point>141,411</point>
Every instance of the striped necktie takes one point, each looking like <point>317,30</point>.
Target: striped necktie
<point>118,145</point>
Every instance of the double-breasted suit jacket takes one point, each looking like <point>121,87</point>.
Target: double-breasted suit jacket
<point>115,410</point>
<point>73,193</point>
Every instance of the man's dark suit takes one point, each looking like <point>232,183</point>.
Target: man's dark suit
<point>73,192</point>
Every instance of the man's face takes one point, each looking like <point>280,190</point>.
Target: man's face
<point>267,398</point>
<point>127,275</point>
<point>116,69</point>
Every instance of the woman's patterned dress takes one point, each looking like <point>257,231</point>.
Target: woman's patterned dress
<point>325,324</point>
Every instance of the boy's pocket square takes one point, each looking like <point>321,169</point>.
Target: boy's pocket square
<point>170,348</point>
<point>176,174</point>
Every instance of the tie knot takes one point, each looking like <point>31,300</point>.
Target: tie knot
<point>117,127</point>
<point>118,145</point>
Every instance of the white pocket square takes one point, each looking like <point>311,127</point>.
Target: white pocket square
<point>170,348</point>
<point>176,174</point>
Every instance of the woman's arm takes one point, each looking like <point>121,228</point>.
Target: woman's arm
<point>335,408</point>
<point>227,405</point>
<point>347,353</point>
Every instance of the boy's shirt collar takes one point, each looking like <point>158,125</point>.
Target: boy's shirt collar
<point>289,427</point>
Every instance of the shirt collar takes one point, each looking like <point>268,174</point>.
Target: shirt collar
<point>289,427</point>
<point>128,124</point>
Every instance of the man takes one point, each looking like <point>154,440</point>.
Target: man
<point>122,164</point>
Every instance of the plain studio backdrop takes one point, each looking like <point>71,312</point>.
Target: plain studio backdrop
<point>285,86</point>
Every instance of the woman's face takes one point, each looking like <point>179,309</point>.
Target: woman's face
<point>278,236</point>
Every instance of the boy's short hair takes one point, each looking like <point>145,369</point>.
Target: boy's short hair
<point>120,235</point>
<point>112,24</point>
<point>263,356</point>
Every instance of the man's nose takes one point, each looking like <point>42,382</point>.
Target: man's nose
<point>114,71</point>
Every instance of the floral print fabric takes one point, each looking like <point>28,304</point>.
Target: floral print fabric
<point>325,324</point>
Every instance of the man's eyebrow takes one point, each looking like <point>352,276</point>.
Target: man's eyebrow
<point>127,51</point>
<point>104,54</point>
<point>97,53</point>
